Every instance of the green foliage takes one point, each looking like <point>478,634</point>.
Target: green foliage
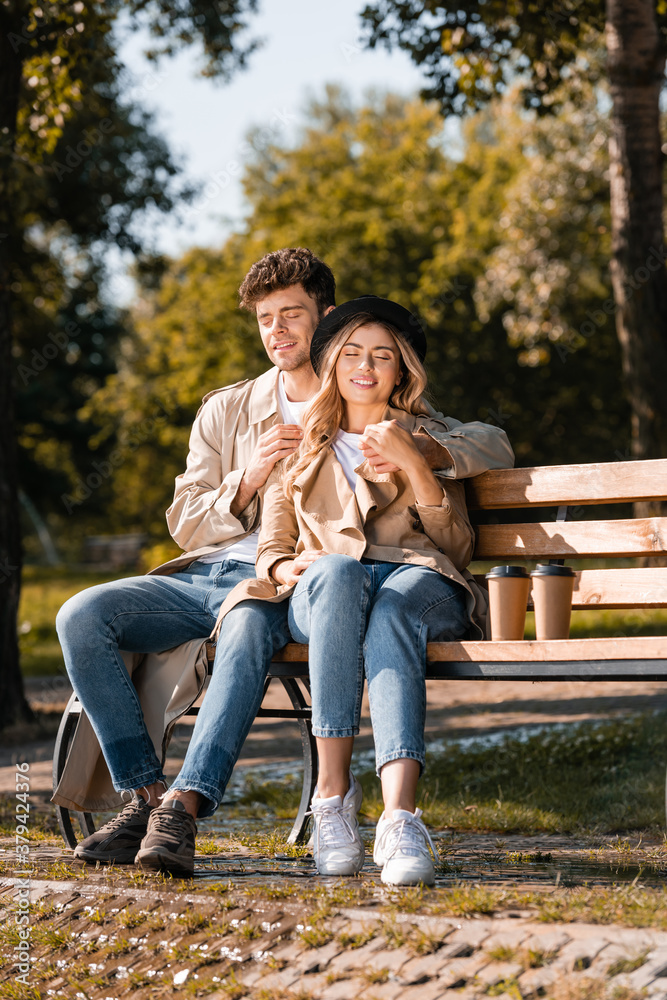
<point>215,26</point>
<point>503,251</point>
<point>86,164</point>
<point>473,51</point>
<point>43,592</point>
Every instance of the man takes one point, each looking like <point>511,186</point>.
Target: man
<point>239,434</point>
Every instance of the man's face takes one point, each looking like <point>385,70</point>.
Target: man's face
<point>287,321</point>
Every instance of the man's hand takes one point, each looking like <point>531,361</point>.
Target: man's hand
<point>289,571</point>
<point>278,442</point>
<point>273,445</point>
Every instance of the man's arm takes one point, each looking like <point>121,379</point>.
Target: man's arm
<point>201,511</point>
<point>454,449</point>
<point>467,449</point>
<point>214,503</point>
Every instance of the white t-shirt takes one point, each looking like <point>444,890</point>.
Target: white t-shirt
<point>245,550</point>
<point>346,450</point>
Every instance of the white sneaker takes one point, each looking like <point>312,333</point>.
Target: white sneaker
<point>403,848</point>
<point>337,845</point>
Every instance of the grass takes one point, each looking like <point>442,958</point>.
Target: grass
<point>595,777</point>
<point>602,624</point>
<point>41,822</point>
<point>43,592</point>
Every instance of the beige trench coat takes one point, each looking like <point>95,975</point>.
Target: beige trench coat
<point>224,435</point>
<point>380,520</point>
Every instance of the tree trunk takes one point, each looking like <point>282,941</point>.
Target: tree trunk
<point>13,706</point>
<point>636,62</point>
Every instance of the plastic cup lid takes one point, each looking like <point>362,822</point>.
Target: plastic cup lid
<point>547,569</point>
<point>500,571</point>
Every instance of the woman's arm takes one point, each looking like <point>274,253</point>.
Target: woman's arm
<point>448,526</point>
<point>277,558</point>
<point>441,507</point>
<point>279,531</point>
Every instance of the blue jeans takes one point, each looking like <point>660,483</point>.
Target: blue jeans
<point>150,614</point>
<point>374,618</point>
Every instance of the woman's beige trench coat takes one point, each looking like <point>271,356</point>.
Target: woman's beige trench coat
<point>380,520</point>
<point>224,435</point>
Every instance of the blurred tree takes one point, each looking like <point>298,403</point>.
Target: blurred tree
<point>76,165</point>
<point>473,51</point>
<point>189,337</point>
<point>376,193</point>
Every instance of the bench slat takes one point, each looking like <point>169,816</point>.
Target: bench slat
<point>574,539</point>
<point>614,588</point>
<point>546,486</point>
<point>643,647</point>
<point>621,588</point>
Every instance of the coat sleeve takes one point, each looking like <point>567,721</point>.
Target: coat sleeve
<point>200,513</point>
<point>279,533</point>
<point>448,525</point>
<point>468,449</point>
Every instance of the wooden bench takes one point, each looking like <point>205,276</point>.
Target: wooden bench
<point>565,534</point>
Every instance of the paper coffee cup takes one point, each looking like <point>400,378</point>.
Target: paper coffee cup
<point>552,600</point>
<point>508,598</point>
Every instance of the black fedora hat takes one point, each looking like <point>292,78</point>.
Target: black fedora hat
<point>382,309</point>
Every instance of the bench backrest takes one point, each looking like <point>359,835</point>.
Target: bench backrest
<point>566,536</point>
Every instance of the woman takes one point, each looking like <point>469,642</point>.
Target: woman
<point>374,561</point>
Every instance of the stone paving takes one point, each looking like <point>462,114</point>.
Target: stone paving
<point>267,928</point>
<point>97,944</point>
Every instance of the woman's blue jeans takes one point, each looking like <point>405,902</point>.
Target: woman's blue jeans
<point>374,618</point>
<point>150,614</point>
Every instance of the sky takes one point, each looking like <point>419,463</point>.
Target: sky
<point>307,44</point>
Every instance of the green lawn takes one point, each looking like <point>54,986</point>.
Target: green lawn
<point>601,778</point>
<point>43,591</point>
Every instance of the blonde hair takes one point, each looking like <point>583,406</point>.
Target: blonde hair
<point>324,416</point>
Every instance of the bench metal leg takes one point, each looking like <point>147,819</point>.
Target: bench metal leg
<point>298,833</point>
<point>297,690</point>
<point>66,731</point>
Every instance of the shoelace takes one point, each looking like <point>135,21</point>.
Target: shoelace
<point>127,813</point>
<point>331,822</point>
<point>411,830</point>
<point>163,821</point>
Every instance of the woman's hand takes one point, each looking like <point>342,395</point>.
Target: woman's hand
<point>396,446</point>
<point>392,443</point>
<point>289,571</point>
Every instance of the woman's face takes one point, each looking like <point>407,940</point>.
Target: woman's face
<point>368,367</point>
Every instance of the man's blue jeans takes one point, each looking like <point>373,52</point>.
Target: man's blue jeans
<point>150,614</point>
<point>374,618</point>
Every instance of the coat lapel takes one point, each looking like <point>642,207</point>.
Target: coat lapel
<point>326,498</point>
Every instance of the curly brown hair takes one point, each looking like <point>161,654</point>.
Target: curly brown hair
<point>283,268</point>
